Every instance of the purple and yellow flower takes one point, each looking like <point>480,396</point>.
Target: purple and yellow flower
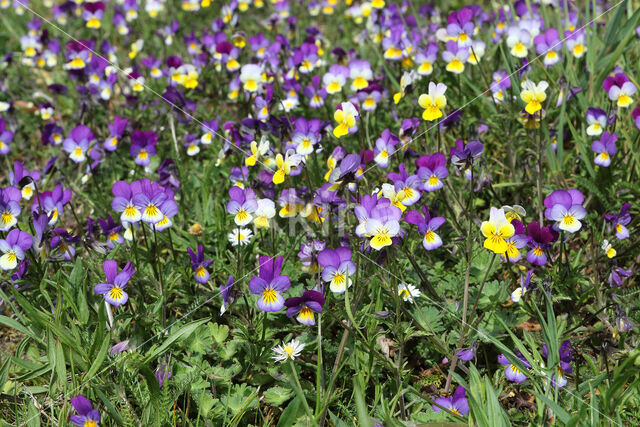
<point>285,165</point>
<point>242,205</point>
<point>123,200</point>
<point>143,146</point>
<point>512,372</point>
<point>619,89</point>
<point>251,77</point>
<point>427,227</point>
<point>383,226</point>
<point>558,378</point>
<point>597,121</point>
<point>13,248</point>
<point>620,221</point>
<point>605,149</point>
<point>156,204</point>
<point>460,26</point>
<point>501,82</point>
<point>496,231</point>
<point>432,170</point>
<point>87,416</point>
<point>113,290</point>
<point>516,242</point>
<point>360,74</point>
<point>9,207</point>
<point>227,294</point>
<point>575,42</point>
<point>78,142</point>
<point>455,56</point>
<point>337,268</point>
<point>335,79</point>
<point>6,137</point>
<point>269,284</point>
<point>540,239</point>
<point>547,44</point>
<point>565,208</point>
<point>406,186</point>
<point>92,14</point>
<point>199,265</point>
<point>617,275</point>
<point>116,130</point>
<point>308,255</point>
<point>385,147</point>
<point>304,306</point>
<point>456,403</point>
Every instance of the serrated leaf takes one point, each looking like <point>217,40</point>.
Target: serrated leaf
<point>219,332</point>
<point>276,396</point>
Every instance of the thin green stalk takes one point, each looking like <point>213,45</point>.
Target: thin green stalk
<point>300,393</point>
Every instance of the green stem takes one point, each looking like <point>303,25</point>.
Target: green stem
<point>300,393</point>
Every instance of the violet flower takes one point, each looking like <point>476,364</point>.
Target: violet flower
<point>597,121</point>
<point>113,290</point>
<point>199,265</point>
<point>116,130</point>
<point>540,239</point>
<point>269,284</point>
<point>304,306</point>
<point>432,170</point>
<point>427,227</point>
<point>87,416</point>
<point>456,403</point>
<point>78,142</point>
<point>604,149</point>
<point>619,89</point>
<point>143,146</point>
<point>13,248</point>
<point>9,207</point>
<point>565,208</point>
<point>337,268</point>
<point>512,372</point>
<point>620,221</point>
<point>558,378</point>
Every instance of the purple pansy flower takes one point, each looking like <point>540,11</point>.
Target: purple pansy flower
<point>432,170</point>
<point>597,121</point>
<point>155,203</point>
<point>619,89</point>
<point>269,284</point>
<point>539,242</point>
<point>558,378</point>
<point>620,221</point>
<point>617,275</point>
<point>116,130</point>
<point>337,268</point>
<point>407,187</point>
<point>87,416</point>
<point>225,292</point>
<point>13,248</point>
<point>427,227</point>
<point>457,403</point>
<point>143,146</point>
<point>242,205</point>
<point>605,148</point>
<point>304,306</point>
<point>512,372</point>
<point>385,147</point>
<point>5,137</point>
<point>463,154</point>
<point>9,207</point>
<point>199,265</point>
<point>565,208</point>
<point>113,289</point>
<point>78,142</point>
<point>547,44</point>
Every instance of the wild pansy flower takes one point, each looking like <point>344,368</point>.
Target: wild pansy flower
<point>518,41</point>
<point>53,202</point>
<point>116,130</point>
<point>460,26</point>
<point>540,239</point>
<point>209,129</point>
<point>512,372</point>
<point>111,231</point>
<point>368,98</point>
<point>617,275</point>
<point>558,378</point>
<point>501,82</point>
<point>548,44</point>
<point>597,121</point>
<point>534,95</point>
<point>242,205</point>
<point>407,79</point>
<point>565,208</point>
<point>87,416</point>
<point>514,212</point>
<point>251,77</point>
<point>62,244</point>
<point>240,237</point>
<point>269,284</point>
<point>308,255</point>
<point>192,144</point>
<point>604,149</point>
<point>92,14</point>
<point>306,134</point>
<point>456,403</point>
<point>335,79</point>
<point>113,290</point>
<point>635,114</point>
<point>427,227</point>
<point>13,248</point>
<point>143,147</point>
<point>408,186</point>
<point>9,207</point>
<point>619,89</point>
<point>304,306</point>
<point>426,58</point>
<point>199,265</point>
<point>124,193</point>
<point>385,147</point>
<point>520,292</point>
<point>408,292</point>
<point>575,42</point>
<point>287,351</point>
<point>620,221</point>
<point>263,214</point>
<point>77,143</point>
<point>77,54</point>
<point>290,203</point>
<point>360,72</point>
<point>155,203</point>
<point>383,226</point>
<point>496,231</point>
<point>314,93</point>
<point>455,56</point>
<point>433,102</point>
<point>608,249</point>
<point>432,170</point>
<point>258,150</point>
<point>227,294</point>
<point>337,268</point>
<point>285,166</point>
<point>515,242</point>
<point>5,137</point>
<point>17,175</point>
<point>346,115</point>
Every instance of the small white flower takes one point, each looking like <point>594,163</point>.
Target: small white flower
<point>240,236</point>
<point>287,351</point>
<point>408,292</point>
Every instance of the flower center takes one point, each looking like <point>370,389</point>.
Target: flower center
<point>151,210</point>
<point>7,217</point>
<point>537,251</point>
<point>338,278</point>
<point>115,293</point>
<point>269,296</point>
<point>568,219</point>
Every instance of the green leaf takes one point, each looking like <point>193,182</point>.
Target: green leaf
<point>276,396</point>
<point>562,415</point>
<point>97,362</point>
<point>201,341</point>
<point>13,324</point>
<point>61,367</point>
<point>290,413</point>
<point>219,332</point>
<point>361,406</point>
<point>180,333</point>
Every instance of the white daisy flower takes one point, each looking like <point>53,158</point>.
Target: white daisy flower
<point>240,236</point>
<point>408,292</point>
<point>287,351</point>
